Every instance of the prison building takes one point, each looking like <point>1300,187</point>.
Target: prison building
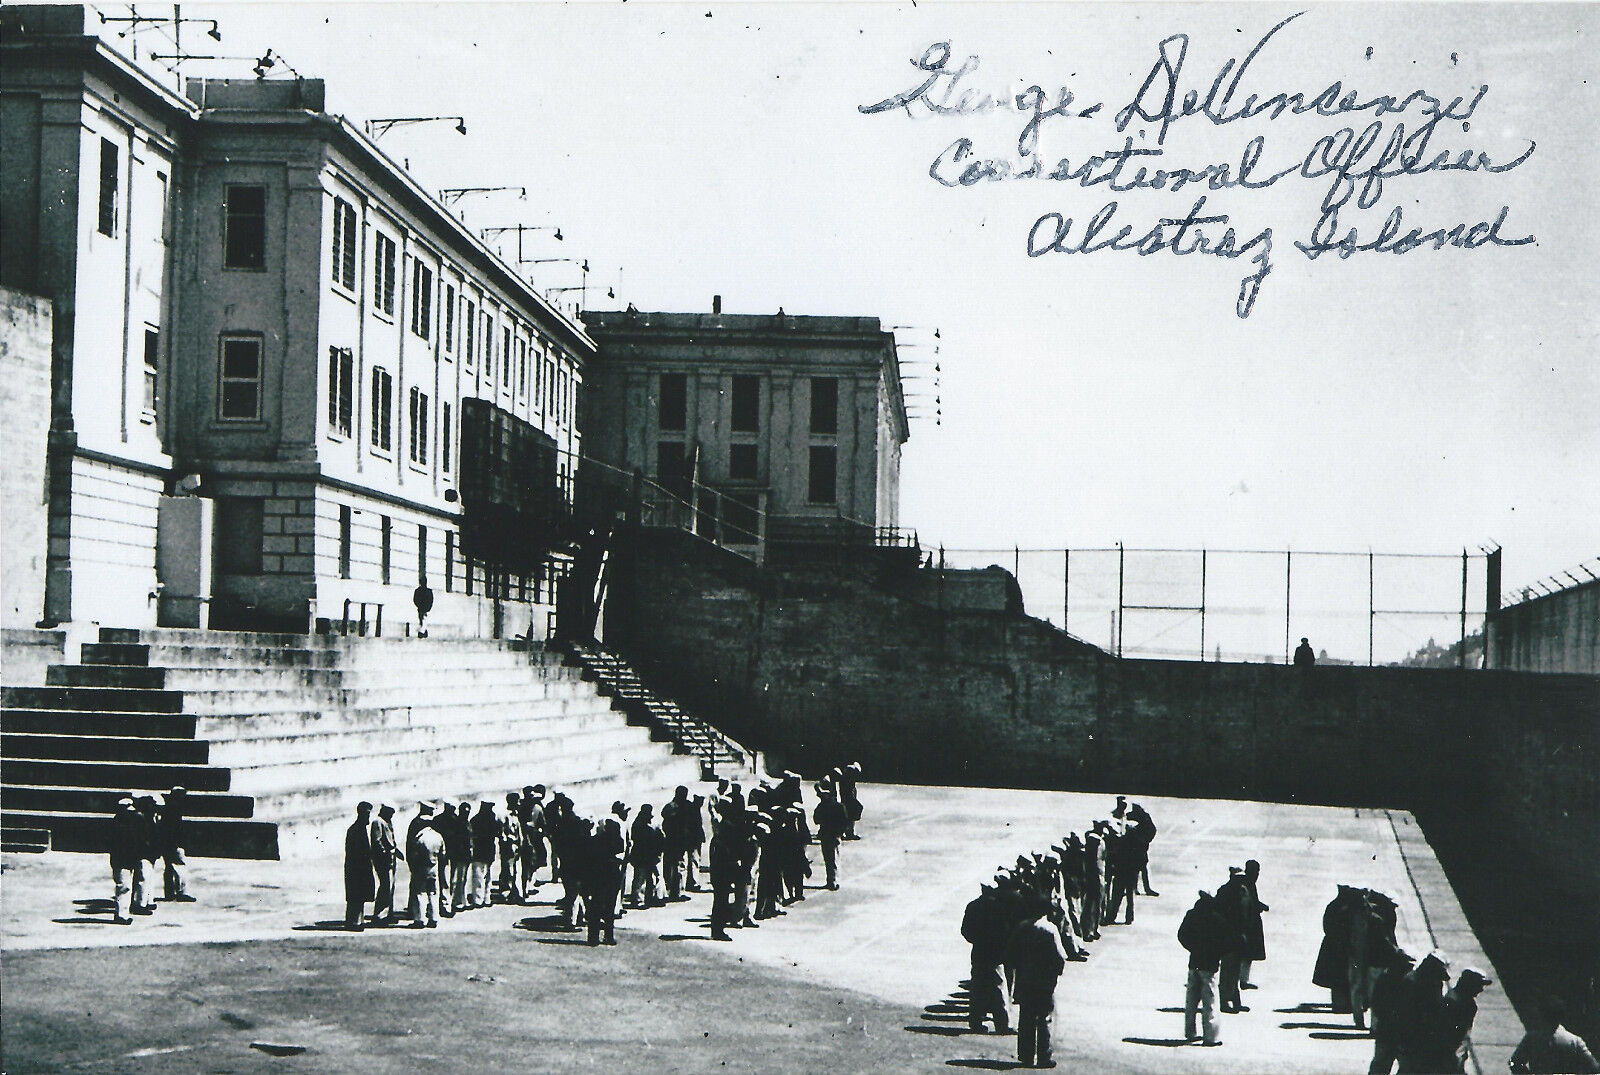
<point>289,387</point>
<point>791,427</point>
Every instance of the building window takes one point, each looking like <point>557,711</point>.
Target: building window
<point>341,390</point>
<point>421,299</point>
<point>444,438</point>
<point>152,361</point>
<point>417,441</point>
<point>385,540</point>
<point>742,462</point>
<point>422,555</point>
<point>822,484</point>
<point>239,379</point>
<point>449,561</point>
<point>244,240</point>
<point>505,359</point>
<point>747,404</point>
<point>522,368</point>
<point>672,468</point>
<point>672,405</point>
<point>345,239</point>
<point>344,541</point>
<point>382,401</point>
<point>488,351</point>
<point>449,318</point>
<point>824,405</point>
<point>383,274</point>
<point>238,530</point>
<point>110,185</point>
<point>468,323</point>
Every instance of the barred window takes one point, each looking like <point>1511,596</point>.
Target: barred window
<point>110,186</point>
<point>383,274</point>
<point>421,300</point>
<point>346,240</point>
<point>382,402</point>
<point>418,426</point>
<point>341,390</point>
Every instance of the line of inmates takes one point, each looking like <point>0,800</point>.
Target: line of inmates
<point>757,855</point>
<point>1037,916</point>
<point>144,830</point>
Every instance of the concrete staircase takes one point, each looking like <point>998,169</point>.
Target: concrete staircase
<point>719,756</point>
<point>276,737</point>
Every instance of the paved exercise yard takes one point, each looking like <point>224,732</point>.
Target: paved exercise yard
<point>855,980</point>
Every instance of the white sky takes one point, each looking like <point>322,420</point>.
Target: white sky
<point>1425,403</point>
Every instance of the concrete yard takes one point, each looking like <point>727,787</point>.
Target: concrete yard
<point>857,980</point>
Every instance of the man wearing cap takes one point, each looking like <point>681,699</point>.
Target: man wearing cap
<point>1232,901</point>
<point>678,819</point>
<point>1202,935</point>
<point>423,819</point>
<point>510,835</point>
<point>126,840</point>
<point>831,824</point>
<point>1037,959</point>
<point>1423,1013</point>
<point>531,814</point>
<point>1446,1045</point>
<point>424,854</point>
<point>984,926</point>
<point>358,877</point>
<point>485,836</point>
<point>144,897</point>
<point>1388,1015</point>
<point>848,797</point>
<point>174,876</point>
<point>385,863</point>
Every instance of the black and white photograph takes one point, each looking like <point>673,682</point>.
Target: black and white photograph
<point>790,536</point>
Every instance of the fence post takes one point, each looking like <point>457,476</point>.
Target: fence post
<point>1066,587</point>
<point>1461,650</point>
<point>1202,606</point>
<point>1120,611</point>
<point>1372,609</point>
<point>1288,589</point>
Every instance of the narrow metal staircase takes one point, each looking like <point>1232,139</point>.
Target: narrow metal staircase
<point>718,755</point>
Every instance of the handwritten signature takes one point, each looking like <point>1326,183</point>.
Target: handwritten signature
<point>1402,139</point>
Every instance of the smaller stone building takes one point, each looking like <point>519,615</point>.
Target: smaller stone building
<point>778,426</point>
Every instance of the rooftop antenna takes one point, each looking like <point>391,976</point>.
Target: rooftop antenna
<point>377,128</point>
<point>520,229</point>
<point>138,23</point>
<point>452,195</point>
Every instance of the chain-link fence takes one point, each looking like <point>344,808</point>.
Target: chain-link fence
<point>1254,604</point>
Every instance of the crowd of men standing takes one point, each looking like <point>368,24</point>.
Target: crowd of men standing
<point>755,848</point>
<point>1037,916</point>
<point>146,829</point>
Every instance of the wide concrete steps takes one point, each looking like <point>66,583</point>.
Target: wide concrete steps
<point>399,738</point>
<point>603,746</point>
<point>274,735</point>
<point>221,728</point>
